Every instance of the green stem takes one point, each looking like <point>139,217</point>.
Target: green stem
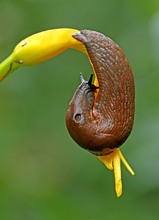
<point>7,67</point>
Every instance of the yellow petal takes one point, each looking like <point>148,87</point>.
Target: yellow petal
<point>117,172</point>
<point>107,160</point>
<point>126,163</point>
<point>112,161</point>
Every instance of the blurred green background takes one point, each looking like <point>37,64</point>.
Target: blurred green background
<point>44,175</point>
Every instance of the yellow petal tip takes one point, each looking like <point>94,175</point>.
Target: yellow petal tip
<point>112,161</point>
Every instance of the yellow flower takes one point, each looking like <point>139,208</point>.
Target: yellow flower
<point>43,46</point>
<point>40,47</point>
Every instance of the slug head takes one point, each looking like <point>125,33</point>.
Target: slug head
<point>79,116</point>
<point>84,127</point>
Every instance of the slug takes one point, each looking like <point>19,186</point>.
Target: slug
<point>101,113</point>
<point>100,117</point>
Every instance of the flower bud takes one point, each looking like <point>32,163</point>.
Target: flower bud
<point>40,47</point>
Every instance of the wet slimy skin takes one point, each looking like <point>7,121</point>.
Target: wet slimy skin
<point>100,119</point>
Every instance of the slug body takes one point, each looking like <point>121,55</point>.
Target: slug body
<point>100,119</point>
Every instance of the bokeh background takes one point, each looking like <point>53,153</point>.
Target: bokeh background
<point>44,175</point>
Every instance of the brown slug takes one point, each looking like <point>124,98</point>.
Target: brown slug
<point>101,113</point>
<point>100,117</point>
